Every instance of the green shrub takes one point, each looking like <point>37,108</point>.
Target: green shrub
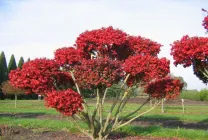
<point>203,94</point>
<point>190,94</point>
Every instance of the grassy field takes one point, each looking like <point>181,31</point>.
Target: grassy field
<point>31,110</point>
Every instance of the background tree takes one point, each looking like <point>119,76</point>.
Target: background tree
<point>1,73</point>
<point>181,79</point>
<point>7,88</point>
<point>1,80</point>
<point>21,62</point>
<point>12,63</point>
<point>205,21</point>
<point>28,60</point>
<point>114,91</point>
<point>193,51</point>
<point>203,94</point>
<point>3,68</point>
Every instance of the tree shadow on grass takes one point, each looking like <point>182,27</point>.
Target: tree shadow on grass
<point>133,131</point>
<point>205,121</point>
<point>169,122</point>
<point>38,115</point>
<point>23,115</point>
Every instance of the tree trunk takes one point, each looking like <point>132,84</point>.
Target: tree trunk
<point>162,107</point>
<point>15,101</point>
<point>150,103</point>
<point>182,100</point>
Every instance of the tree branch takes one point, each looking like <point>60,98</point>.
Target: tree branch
<point>104,96</point>
<point>100,111</point>
<point>78,90</point>
<point>110,113</point>
<point>114,104</point>
<point>80,129</point>
<point>119,126</point>
<point>135,111</point>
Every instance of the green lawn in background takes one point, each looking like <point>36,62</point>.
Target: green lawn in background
<point>193,114</point>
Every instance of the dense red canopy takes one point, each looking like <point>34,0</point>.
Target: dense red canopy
<point>101,72</point>
<point>166,87</point>
<point>39,76</point>
<point>146,68</point>
<point>67,102</point>
<point>99,59</point>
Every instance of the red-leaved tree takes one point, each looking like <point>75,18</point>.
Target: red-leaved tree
<point>99,59</point>
<point>205,21</point>
<point>193,51</point>
<point>7,89</point>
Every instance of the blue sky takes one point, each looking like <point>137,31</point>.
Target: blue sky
<point>36,28</point>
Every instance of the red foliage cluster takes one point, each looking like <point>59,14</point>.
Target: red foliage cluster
<point>164,88</point>
<point>67,56</point>
<point>187,49</point>
<point>115,44</point>
<point>67,102</point>
<point>205,21</point>
<point>101,40</point>
<point>145,68</point>
<point>191,51</point>
<point>37,76</point>
<point>98,72</point>
<point>144,46</point>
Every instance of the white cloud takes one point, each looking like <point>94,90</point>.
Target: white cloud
<point>36,28</point>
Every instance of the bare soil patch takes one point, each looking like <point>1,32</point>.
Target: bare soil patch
<point>172,124</point>
<point>19,133</point>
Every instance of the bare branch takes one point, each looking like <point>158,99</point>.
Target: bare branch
<point>119,126</point>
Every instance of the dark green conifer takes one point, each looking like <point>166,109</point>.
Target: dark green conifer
<point>3,68</point>
<point>21,62</point>
<point>12,63</point>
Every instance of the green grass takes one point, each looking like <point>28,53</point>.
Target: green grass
<point>26,106</point>
<point>130,130</point>
<point>192,114</point>
<point>38,123</point>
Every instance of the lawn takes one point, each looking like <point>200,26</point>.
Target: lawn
<point>34,115</point>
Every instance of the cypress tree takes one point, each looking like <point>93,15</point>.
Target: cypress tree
<point>21,62</point>
<point>3,68</point>
<point>12,64</point>
<point>1,81</point>
<point>1,73</point>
